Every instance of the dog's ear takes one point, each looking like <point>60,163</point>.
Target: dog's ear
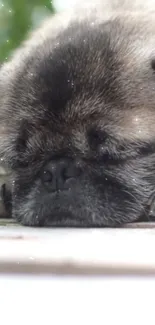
<point>153,64</point>
<point>6,200</point>
<point>5,196</point>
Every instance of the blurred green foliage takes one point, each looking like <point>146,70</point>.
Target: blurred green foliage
<point>17,17</point>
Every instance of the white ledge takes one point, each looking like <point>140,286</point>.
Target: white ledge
<point>77,251</point>
<point>77,276</point>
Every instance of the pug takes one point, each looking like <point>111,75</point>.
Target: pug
<point>77,117</point>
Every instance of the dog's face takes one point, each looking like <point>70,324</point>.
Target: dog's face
<point>79,127</point>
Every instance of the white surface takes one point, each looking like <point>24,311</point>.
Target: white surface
<point>31,292</point>
<point>73,301</point>
<point>96,251</point>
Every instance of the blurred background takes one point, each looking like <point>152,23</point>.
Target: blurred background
<point>17,17</point>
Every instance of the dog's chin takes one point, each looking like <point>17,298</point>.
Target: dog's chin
<point>73,215</point>
<point>59,218</point>
<point>67,219</point>
<point>63,219</point>
<point>87,204</point>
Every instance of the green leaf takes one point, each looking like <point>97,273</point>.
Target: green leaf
<point>17,17</point>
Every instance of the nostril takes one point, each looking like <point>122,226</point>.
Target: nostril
<point>66,174</point>
<point>46,176</point>
<point>60,175</point>
<point>70,171</point>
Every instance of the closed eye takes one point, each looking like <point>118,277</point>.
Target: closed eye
<point>96,137</point>
<point>117,152</point>
<point>147,148</point>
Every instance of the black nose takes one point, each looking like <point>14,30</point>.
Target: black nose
<point>60,174</point>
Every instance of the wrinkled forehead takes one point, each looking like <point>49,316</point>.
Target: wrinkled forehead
<point>133,125</point>
<point>122,121</point>
<point>122,83</point>
<point>100,77</point>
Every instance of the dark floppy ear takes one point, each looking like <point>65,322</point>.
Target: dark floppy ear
<point>6,201</point>
<point>153,64</point>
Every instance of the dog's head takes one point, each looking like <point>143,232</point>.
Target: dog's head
<point>78,125</point>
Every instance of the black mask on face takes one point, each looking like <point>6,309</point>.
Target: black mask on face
<point>6,198</point>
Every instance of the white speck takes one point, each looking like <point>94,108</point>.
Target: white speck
<point>6,58</point>
<point>2,5</point>
<point>10,11</point>
<point>92,23</point>
<point>68,80</point>
<point>2,159</point>
<point>37,217</point>
<point>7,40</point>
<point>72,84</point>
<point>133,179</point>
<point>139,131</point>
<point>57,43</point>
<point>106,179</point>
<point>31,258</point>
<point>84,41</point>
<point>31,74</point>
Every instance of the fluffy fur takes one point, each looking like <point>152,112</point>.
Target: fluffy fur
<point>79,97</point>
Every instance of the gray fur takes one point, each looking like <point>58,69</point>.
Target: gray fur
<point>82,87</point>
